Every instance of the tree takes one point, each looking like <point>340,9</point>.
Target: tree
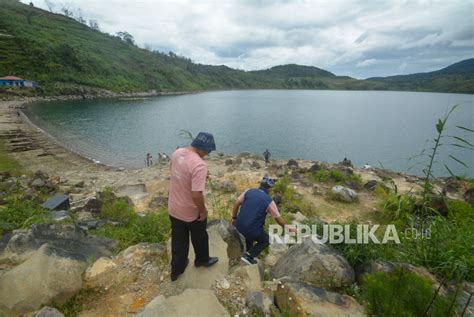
<point>126,37</point>
<point>50,5</point>
<point>67,12</point>
<point>94,25</point>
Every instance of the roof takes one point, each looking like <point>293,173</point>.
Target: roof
<point>55,201</point>
<point>11,78</point>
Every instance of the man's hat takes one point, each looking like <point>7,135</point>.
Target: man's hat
<point>267,182</point>
<point>205,142</point>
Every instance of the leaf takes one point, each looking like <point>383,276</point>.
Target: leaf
<point>459,161</point>
<point>463,141</point>
<point>439,126</point>
<point>464,128</point>
<point>459,145</point>
<point>450,172</point>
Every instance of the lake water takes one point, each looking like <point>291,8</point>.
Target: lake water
<point>378,127</point>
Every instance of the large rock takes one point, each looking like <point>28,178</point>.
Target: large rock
<point>344,194</point>
<point>251,276</point>
<point>259,303</point>
<point>469,196</point>
<point>292,164</point>
<point>315,168</point>
<point>235,241</point>
<point>316,264</point>
<point>67,240</point>
<point>43,279</point>
<point>47,312</point>
<point>190,303</point>
<point>299,299</point>
<point>370,185</point>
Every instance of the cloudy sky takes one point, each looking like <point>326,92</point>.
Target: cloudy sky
<point>356,38</point>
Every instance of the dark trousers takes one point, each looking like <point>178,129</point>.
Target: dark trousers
<point>180,231</point>
<point>262,242</point>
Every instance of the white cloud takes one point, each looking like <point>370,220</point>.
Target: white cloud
<point>345,37</point>
<point>367,63</point>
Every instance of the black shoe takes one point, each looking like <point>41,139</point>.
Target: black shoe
<point>174,276</point>
<point>212,260</point>
<point>247,258</point>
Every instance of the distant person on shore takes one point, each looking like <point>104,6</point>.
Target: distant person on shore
<point>266,156</point>
<point>254,205</point>
<point>186,204</point>
<point>367,166</point>
<point>149,159</point>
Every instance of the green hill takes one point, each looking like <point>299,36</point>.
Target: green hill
<point>62,54</point>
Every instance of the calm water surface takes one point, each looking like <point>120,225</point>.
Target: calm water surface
<point>377,127</point>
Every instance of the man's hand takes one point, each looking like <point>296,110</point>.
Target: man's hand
<point>198,199</point>
<point>233,221</point>
<point>202,216</point>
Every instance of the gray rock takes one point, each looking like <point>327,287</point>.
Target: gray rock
<point>37,183</point>
<point>67,240</point>
<point>316,264</point>
<point>255,164</point>
<point>299,299</point>
<point>235,241</point>
<point>47,312</point>
<point>344,194</point>
<point>229,162</point>
<point>259,303</point>
<point>43,279</point>
<point>469,196</point>
<point>191,302</point>
<point>244,155</point>
<point>292,164</point>
<point>237,161</point>
<point>315,168</point>
<point>370,185</point>
<point>60,215</point>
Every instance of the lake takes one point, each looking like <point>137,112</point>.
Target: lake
<point>378,127</point>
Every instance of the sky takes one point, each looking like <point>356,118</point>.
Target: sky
<point>359,38</point>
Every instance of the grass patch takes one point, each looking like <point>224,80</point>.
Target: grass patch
<point>335,176</point>
<point>290,200</point>
<point>401,293</point>
<point>7,163</point>
<point>132,228</point>
<point>78,302</point>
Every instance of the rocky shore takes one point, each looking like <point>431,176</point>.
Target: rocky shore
<point>60,261</point>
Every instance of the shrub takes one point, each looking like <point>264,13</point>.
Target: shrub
<point>153,227</point>
<point>116,208</point>
<point>401,293</point>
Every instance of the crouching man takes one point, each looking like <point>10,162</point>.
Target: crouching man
<point>254,205</point>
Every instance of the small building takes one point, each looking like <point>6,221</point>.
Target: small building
<point>13,81</point>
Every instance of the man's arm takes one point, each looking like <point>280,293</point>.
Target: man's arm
<point>198,199</point>
<point>235,210</point>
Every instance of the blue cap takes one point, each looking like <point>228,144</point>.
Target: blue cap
<point>204,141</point>
<point>267,182</point>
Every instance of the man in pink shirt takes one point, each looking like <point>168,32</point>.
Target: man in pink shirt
<point>186,204</point>
<point>254,205</point>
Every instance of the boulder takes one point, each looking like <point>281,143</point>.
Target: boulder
<point>67,240</point>
<point>137,255</point>
<point>469,196</point>
<point>316,264</point>
<point>259,303</point>
<point>235,241</point>
<point>237,161</point>
<point>60,215</point>
<point>229,162</point>
<point>255,164</point>
<point>47,311</point>
<point>299,299</point>
<point>42,175</point>
<point>315,168</point>
<point>370,185</point>
<point>37,183</point>
<point>190,303</point>
<point>100,266</point>
<point>292,164</point>
<point>251,276</point>
<point>93,205</point>
<point>344,194</point>
<point>44,278</point>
